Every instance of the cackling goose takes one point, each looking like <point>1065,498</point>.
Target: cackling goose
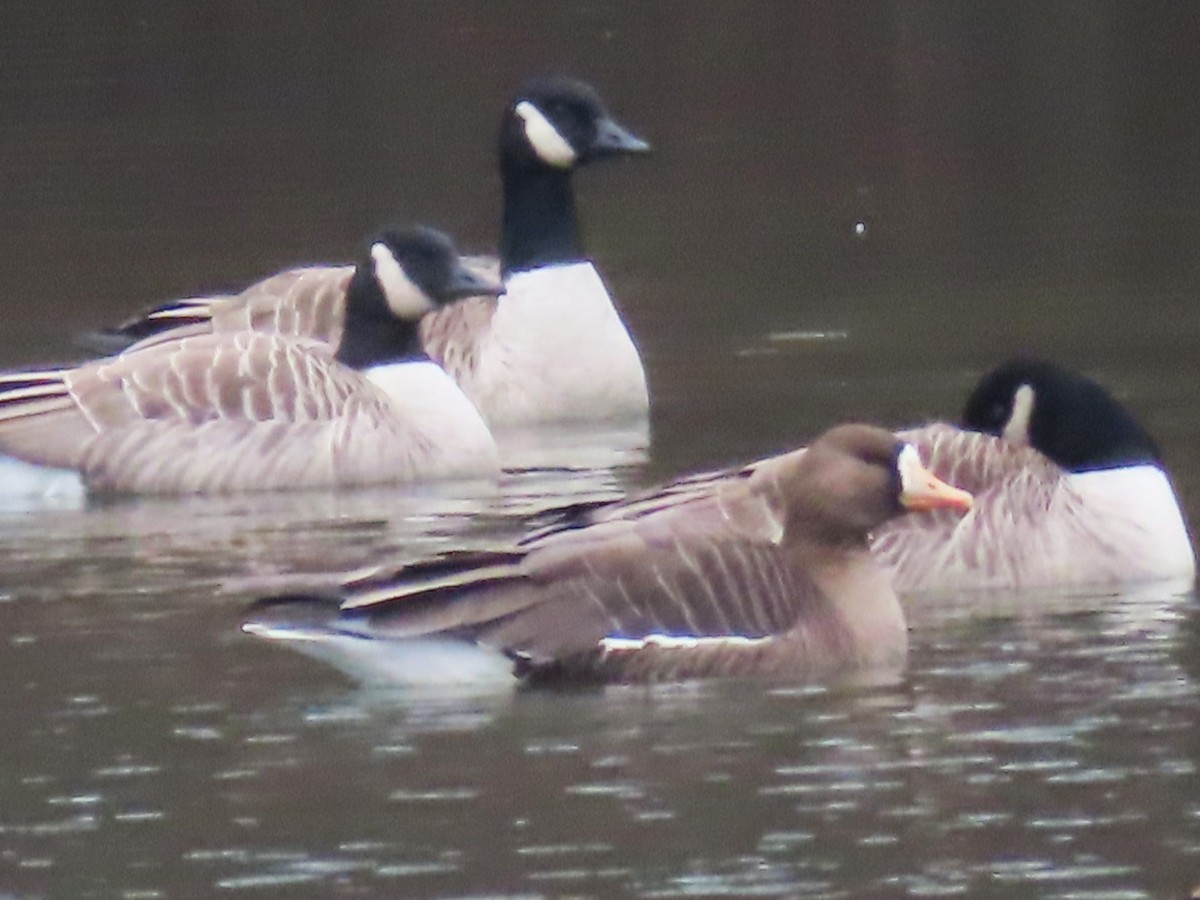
<point>1070,491</point>
<point>554,348</point>
<point>237,411</point>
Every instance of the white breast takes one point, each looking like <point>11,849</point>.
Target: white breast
<point>1117,527</point>
<point>443,422</point>
<point>1137,510</point>
<point>558,350</point>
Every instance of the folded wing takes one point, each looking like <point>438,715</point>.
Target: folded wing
<point>205,413</point>
<point>712,566</point>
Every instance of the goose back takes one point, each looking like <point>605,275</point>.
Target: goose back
<point>247,411</point>
<point>1035,525</point>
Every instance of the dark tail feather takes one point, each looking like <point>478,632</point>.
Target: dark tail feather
<point>167,317</point>
<point>104,342</point>
<point>316,610</point>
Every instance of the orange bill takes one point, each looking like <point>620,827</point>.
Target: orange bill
<point>921,490</point>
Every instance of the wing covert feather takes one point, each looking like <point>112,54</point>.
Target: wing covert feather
<point>710,567</point>
<point>281,411</point>
<point>1026,517</point>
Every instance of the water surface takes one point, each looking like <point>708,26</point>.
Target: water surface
<point>852,211</point>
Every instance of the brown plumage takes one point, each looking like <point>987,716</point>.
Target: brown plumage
<point>1035,525</point>
<point>310,302</point>
<point>307,302</point>
<point>220,413</point>
<point>1072,491</point>
<point>245,410</point>
<point>768,574</point>
<point>1075,496</point>
<point>554,349</point>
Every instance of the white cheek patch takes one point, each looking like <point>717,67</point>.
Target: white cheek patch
<point>1016,430</point>
<point>912,472</point>
<point>403,297</point>
<point>550,146</point>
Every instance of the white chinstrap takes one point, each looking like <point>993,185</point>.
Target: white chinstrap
<point>1016,430</point>
<point>404,297</point>
<point>550,146</point>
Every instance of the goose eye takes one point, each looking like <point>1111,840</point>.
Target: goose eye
<point>566,113</point>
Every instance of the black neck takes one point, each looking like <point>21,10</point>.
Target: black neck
<point>539,227</point>
<point>373,335</point>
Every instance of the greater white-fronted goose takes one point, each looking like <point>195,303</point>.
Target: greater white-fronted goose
<point>253,410</point>
<point>769,574</point>
<point>1070,491</point>
<point>554,348</point>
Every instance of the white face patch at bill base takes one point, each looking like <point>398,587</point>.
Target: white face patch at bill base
<point>550,146</point>
<point>913,475</point>
<point>404,297</point>
<point>675,642</point>
<point>1016,430</point>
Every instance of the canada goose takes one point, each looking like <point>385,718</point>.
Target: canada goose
<point>1070,491</point>
<point>769,574</point>
<point>554,348</point>
<point>241,411</point>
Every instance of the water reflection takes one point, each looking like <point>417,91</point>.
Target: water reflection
<point>151,540</point>
<point>1021,770</point>
<point>1035,744</point>
<point>965,779</point>
<point>1040,756</point>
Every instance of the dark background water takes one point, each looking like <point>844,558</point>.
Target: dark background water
<point>1026,175</point>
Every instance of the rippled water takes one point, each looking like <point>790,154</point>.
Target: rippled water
<point>1039,756</point>
<point>851,213</point>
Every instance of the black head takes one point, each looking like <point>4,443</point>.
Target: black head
<point>406,272</point>
<point>418,268</point>
<point>559,124</point>
<point>1071,419</point>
